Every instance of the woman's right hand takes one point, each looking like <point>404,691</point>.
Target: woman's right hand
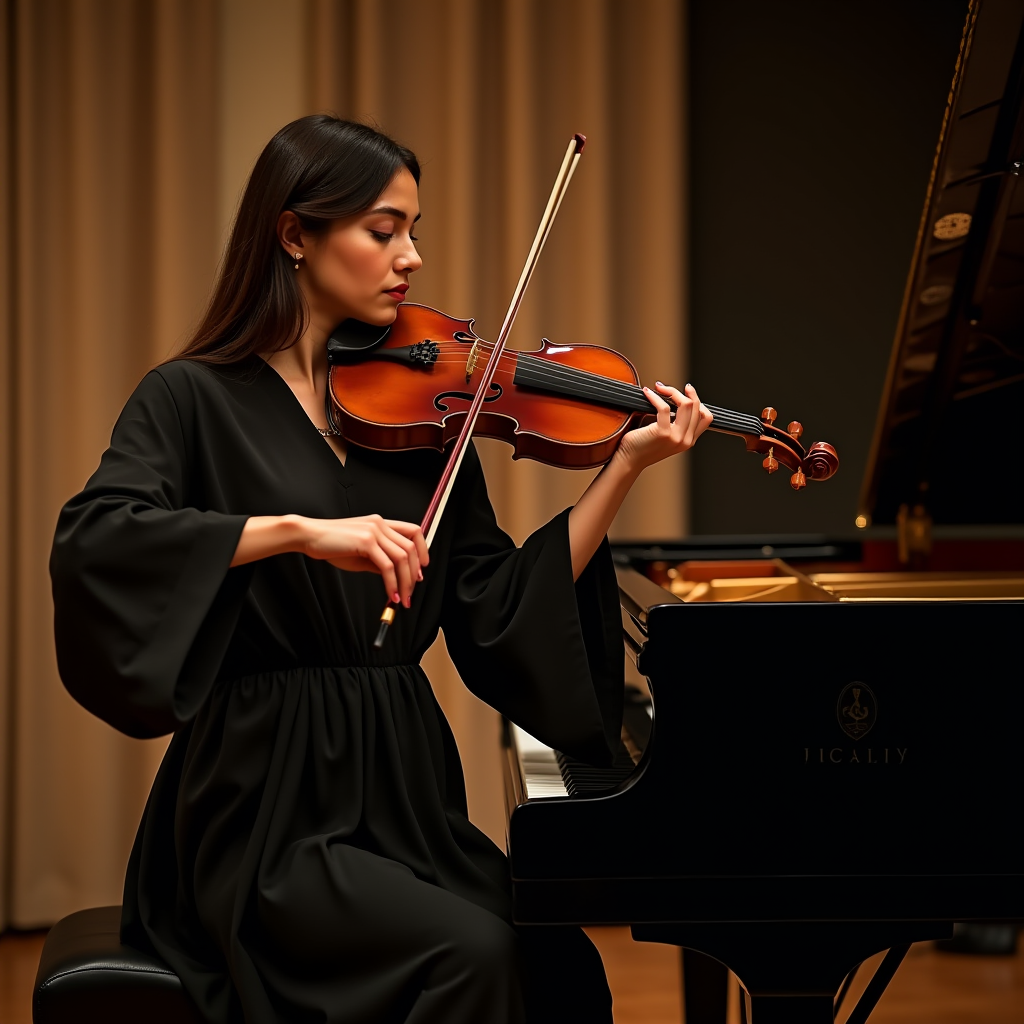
<point>393,549</point>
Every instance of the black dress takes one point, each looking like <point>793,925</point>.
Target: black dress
<point>305,852</point>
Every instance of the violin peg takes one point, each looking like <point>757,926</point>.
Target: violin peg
<point>798,481</point>
<point>795,429</point>
<point>770,463</point>
<point>768,414</point>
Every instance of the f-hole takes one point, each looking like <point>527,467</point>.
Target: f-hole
<point>467,395</point>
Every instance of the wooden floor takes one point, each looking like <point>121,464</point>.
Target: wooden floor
<point>930,988</point>
<point>19,956</point>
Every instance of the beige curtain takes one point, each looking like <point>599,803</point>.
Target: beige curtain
<point>128,130</point>
<point>108,257</point>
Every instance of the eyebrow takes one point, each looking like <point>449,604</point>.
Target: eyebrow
<point>395,212</point>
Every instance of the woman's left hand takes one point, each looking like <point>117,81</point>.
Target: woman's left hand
<point>666,435</point>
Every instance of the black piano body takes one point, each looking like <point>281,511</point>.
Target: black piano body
<point>762,815</point>
<point>833,757</point>
<point>756,799</point>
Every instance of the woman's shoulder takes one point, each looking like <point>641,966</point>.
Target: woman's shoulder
<point>187,382</point>
<point>192,374</point>
<point>182,389</point>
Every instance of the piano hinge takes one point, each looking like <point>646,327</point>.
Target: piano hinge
<point>913,534</point>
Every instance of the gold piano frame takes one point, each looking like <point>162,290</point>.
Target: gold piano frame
<point>774,580</point>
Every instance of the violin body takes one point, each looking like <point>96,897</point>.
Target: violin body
<point>383,403</point>
<point>411,385</point>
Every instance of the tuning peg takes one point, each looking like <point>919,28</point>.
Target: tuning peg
<point>771,463</point>
<point>798,481</point>
<point>795,429</point>
<point>768,414</point>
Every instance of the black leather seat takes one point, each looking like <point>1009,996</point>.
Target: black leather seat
<point>86,976</point>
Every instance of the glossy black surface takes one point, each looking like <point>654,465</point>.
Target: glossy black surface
<point>952,413</point>
<point>751,803</point>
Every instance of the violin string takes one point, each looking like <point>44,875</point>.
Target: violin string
<point>571,382</point>
<point>606,389</point>
<point>619,392</point>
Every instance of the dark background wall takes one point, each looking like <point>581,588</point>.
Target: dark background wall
<point>813,124</point>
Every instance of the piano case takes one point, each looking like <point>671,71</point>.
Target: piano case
<point>823,752</point>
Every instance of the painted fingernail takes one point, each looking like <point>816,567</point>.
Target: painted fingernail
<point>396,597</point>
<point>419,575</point>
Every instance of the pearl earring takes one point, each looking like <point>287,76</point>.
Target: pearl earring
<point>298,256</point>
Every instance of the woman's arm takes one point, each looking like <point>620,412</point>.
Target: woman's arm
<point>397,550</point>
<point>393,549</point>
<point>592,515</point>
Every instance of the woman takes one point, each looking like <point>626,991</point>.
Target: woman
<point>305,852</point>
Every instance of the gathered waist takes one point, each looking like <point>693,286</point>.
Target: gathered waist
<point>377,673</point>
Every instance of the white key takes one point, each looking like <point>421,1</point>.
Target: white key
<point>541,775</point>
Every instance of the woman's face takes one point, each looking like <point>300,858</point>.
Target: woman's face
<point>360,268</point>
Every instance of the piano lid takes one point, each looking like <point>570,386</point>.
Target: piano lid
<point>950,428</point>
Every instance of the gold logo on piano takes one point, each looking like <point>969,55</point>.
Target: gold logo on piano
<point>857,710</point>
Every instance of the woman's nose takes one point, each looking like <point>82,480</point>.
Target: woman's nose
<point>410,260</point>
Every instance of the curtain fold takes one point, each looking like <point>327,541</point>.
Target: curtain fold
<point>7,446</point>
<point>119,172</point>
<point>111,253</point>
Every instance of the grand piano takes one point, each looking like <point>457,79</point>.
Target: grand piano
<point>840,768</point>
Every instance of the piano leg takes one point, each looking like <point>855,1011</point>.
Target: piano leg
<point>705,988</point>
<point>792,972</point>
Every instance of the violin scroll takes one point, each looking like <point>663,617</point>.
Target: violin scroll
<point>822,461</point>
<point>783,448</point>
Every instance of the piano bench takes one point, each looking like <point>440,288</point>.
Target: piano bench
<point>86,975</point>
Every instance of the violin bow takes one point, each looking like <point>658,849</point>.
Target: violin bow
<point>439,501</point>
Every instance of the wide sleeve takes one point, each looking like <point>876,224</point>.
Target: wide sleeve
<point>545,652</point>
<point>144,602</point>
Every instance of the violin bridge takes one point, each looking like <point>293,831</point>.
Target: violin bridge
<point>471,362</point>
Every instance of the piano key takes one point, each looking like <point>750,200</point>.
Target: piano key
<point>542,774</point>
<point>548,773</point>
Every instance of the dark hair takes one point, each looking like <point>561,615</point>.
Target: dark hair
<point>320,167</point>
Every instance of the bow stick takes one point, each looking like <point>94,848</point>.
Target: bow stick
<point>444,488</point>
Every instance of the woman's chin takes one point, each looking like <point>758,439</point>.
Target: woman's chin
<point>379,315</point>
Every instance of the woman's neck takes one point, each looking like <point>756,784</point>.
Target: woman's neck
<point>306,360</point>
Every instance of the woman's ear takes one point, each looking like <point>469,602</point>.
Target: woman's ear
<point>289,233</point>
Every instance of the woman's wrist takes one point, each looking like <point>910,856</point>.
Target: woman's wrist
<point>625,465</point>
<point>294,533</point>
<point>266,536</point>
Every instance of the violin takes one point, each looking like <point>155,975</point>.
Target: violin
<point>410,385</point>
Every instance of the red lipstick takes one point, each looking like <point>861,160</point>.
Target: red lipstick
<point>398,292</point>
